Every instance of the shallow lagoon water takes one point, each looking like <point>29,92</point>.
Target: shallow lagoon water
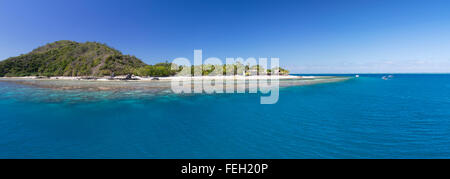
<point>406,117</point>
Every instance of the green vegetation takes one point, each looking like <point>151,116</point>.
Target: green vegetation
<point>232,69</point>
<point>157,70</point>
<point>69,58</point>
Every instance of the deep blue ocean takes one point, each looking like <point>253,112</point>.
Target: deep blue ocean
<point>405,117</point>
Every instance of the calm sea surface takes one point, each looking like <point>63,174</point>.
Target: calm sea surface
<point>405,117</point>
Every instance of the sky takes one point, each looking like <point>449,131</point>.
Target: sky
<point>308,36</point>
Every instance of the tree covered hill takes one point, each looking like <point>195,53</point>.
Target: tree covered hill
<point>69,58</point>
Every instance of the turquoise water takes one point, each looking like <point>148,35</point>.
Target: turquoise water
<point>406,117</point>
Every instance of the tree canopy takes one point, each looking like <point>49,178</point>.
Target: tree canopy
<point>69,58</point>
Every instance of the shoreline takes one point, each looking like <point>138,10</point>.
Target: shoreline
<point>138,78</point>
<point>150,84</point>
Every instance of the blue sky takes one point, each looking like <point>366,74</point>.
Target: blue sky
<point>314,36</point>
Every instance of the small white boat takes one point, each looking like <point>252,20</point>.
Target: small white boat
<point>387,77</point>
<point>356,76</point>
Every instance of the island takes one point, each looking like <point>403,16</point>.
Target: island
<point>72,63</point>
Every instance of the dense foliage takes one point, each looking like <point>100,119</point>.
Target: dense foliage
<point>229,69</point>
<point>68,58</point>
<point>157,70</point>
